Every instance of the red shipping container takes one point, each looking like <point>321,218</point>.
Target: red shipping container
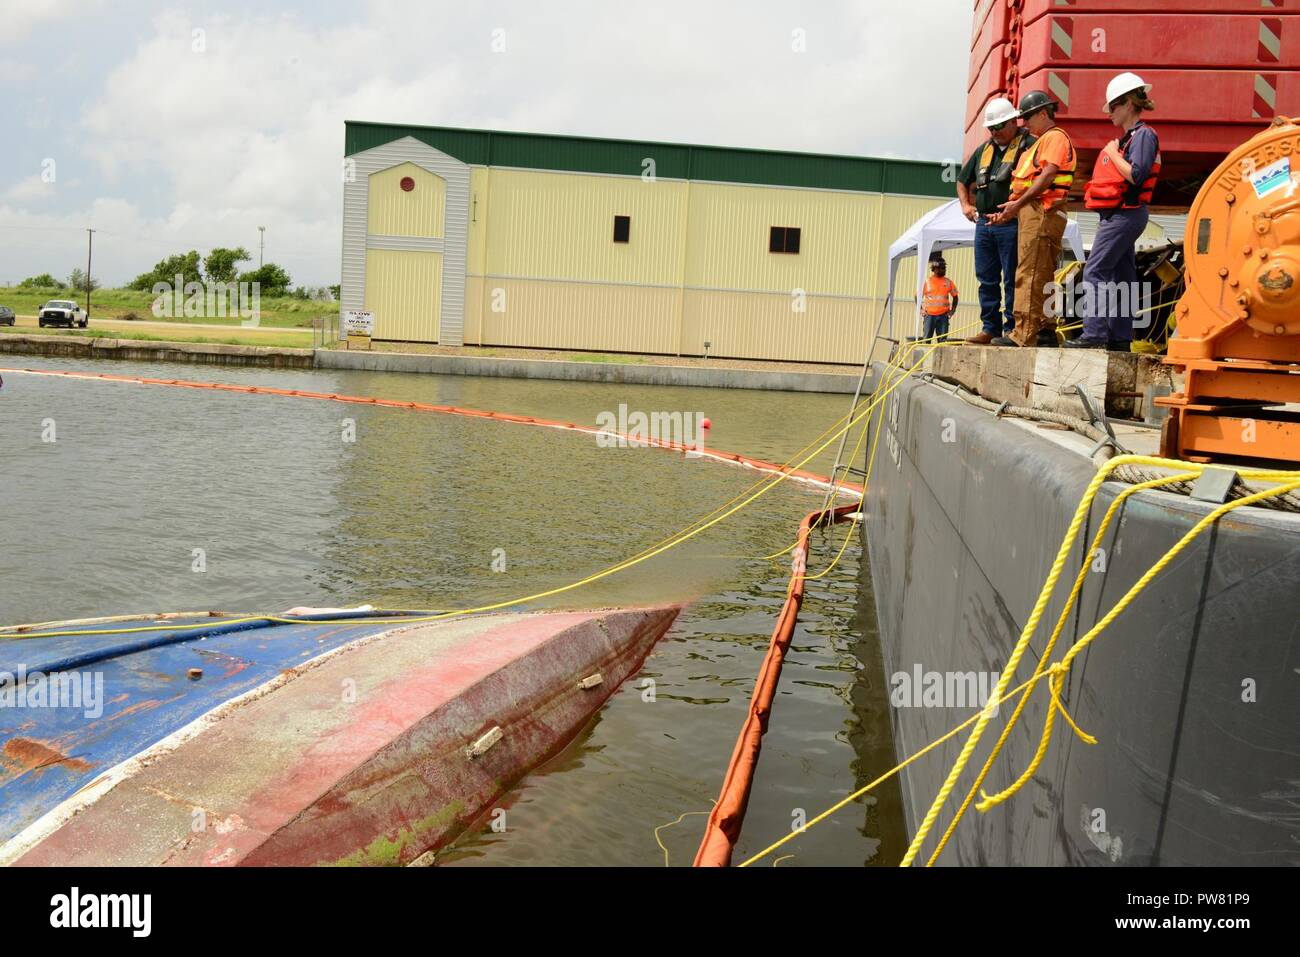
<point>992,78</point>
<point>1033,9</point>
<point>1201,116</point>
<point>1166,41</point>
<point>991,16</point>
<point>1183,96</point>
<point>990,37</point>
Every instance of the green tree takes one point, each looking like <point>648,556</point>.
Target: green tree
<point>43,281</point>
<point>185,265</point>
<point>77,280</point>
<point>272,279</point>
<point>220,264</point>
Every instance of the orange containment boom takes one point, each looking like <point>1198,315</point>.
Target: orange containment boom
<point>731,458</point>
<point>1237,342</point>
<point>723,828</point>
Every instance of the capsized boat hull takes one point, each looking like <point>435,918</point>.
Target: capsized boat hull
<point>374,746</point>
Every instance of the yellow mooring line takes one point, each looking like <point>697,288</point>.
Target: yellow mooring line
<point>1286,482</point>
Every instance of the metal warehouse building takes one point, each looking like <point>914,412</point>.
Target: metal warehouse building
<point>472,237</point>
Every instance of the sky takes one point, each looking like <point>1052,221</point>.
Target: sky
<point>168,127</point>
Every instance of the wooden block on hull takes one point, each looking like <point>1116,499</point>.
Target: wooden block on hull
<point>1046,378</point>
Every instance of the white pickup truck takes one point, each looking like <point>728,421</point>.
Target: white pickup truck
<point>62,312</point>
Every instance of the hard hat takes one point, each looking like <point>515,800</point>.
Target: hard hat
<point>1033,101</point>
<point>1124,83</point>
<point>998,111</point>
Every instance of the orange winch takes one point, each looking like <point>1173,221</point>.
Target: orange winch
<point>1238,324</point>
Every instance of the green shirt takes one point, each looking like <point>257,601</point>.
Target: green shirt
<point>988,200</point>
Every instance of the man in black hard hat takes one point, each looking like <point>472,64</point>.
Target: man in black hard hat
<point>1040,187</point>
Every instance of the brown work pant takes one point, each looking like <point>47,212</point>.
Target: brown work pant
<point>1039,248</point>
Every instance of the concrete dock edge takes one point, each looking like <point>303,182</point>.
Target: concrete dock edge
<point>622,373</point>
<point>640,373</point>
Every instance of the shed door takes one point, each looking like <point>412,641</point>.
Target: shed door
<point>404,291</point>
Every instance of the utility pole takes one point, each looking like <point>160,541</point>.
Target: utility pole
<point>261,244</point>
<point>90,246</point>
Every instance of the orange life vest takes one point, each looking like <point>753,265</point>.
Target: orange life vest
<point>934,297</point>
<point>1108,189</point>
<point>1029,167</point>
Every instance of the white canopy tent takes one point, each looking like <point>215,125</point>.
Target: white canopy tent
<point>946,227</point>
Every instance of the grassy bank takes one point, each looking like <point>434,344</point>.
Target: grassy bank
<point>285,340</point>
<point>128,304</point>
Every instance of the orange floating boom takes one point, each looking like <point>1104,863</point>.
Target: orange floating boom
<point>723,828</point>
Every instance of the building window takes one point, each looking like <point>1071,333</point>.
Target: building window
<point>784,239</point>
<point>622,228</point>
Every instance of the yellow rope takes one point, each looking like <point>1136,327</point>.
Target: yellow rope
<point>661,827</point>
<point>1048,588</point>
<point>1063,666</point>
<point>1047,651</point>
<point>878,397</point>
<point>1056,672</point>
<point>887,775</point>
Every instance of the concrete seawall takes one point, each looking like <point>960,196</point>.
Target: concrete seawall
<point>148,350</point>
<point>142,350</point>
<point>624,373</point>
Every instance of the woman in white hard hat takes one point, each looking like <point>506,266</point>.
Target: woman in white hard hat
<point>1119,192</point>
<point>983,185</point>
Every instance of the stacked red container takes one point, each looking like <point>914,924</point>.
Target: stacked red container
<point>1220,69</point>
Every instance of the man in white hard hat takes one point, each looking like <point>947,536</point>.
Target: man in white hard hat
<point>983,185</point>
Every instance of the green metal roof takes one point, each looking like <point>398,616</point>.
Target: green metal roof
<point>585,154</point>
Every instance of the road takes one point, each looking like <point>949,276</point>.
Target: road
<point>158,327</point>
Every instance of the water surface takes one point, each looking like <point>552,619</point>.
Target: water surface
<point>153,498</point>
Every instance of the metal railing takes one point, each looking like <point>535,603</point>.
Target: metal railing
<point>326,331</point>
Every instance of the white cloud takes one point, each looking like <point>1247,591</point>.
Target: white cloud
<point>29,189</point>
<point>249,131</point>
<point>20,17</point>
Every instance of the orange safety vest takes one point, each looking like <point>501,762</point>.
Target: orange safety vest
<point>1030,167</point>
<point>934,296</point>
<point>1108,189</point>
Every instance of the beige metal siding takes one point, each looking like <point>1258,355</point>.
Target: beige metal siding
<point>404,291</point>
<point>730,228</point>
<point>560,226</point>
<point>397,212</point>
<point>613,317</point>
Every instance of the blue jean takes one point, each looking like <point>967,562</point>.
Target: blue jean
<point>1110,277</point>
<point>995,268</point>
<point>936,326</point>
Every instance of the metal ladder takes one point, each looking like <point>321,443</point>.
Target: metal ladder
<point>841,467</point>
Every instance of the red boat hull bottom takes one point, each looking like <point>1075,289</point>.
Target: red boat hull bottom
<point>375,754</point>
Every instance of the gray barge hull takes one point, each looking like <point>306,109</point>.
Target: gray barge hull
<point>1193,693</point>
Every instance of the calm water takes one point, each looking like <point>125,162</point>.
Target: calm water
<point>107,519</point>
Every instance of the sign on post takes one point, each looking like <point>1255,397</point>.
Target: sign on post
<point>358,326</point>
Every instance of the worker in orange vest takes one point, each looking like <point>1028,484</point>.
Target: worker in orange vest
<point>1040,186</point>
<point>938,300</point>
<point>1120,190</point>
